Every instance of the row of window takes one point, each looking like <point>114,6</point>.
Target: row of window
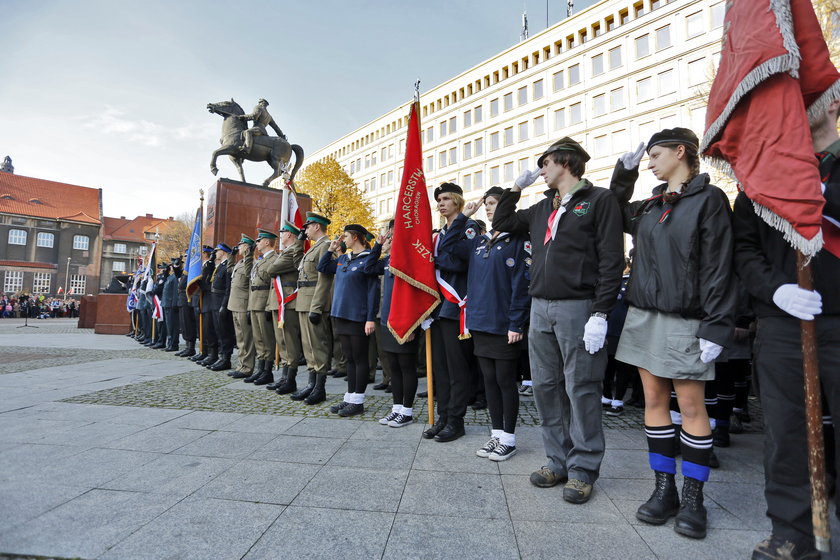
<point>13,282</point>
<point>43,239</point>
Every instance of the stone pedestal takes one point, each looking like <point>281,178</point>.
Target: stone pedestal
<point>87,312</point>
<point>111,315</point>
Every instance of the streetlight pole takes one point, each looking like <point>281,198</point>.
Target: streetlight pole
<point>67,279</point>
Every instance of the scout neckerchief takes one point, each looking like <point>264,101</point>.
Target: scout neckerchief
<point>559,206</point>
<point>451,294</point>
<point>830,226</point>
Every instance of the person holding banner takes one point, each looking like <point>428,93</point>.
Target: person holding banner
<point>578,258</point>
<point>497,315</point>
<point>170,306</point>
<point>355,302</point>
<point>203,307</point>
<point>284,272</point>
<point>681,314</point>
<point>238,291</point>
<point>222,320</point>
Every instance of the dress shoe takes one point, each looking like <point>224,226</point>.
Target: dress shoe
<point>258,367</point>
<point>435,428</point>
<point>265,377</point>
<point>450,432</point>
<point>171,349</point>
<point>221,364</point>
<point>423,394</point>
<point>351,409</point>
<point>479,404</point>
<point>158,346</point>
<point>198,357</point>
<point>189,352</point>
<point>380,386</point>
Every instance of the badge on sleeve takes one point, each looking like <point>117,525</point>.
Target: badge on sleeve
<point>528,247</point>
<point>510,262</point>
<point>470,233</point>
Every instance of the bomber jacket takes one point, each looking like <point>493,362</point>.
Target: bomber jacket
<point>497,285</point>
<point>355,293</point>
<point>586,258</point>
<point>683,260</point>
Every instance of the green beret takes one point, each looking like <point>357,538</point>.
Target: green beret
<point>564,145</point>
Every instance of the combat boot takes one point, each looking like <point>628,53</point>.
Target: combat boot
<point>222,364</point>
<point>663,503</point>
<point>318,394</point>
<point>279,382</point>
<point>289,385</point>
<point>258,367</point>
<point>266,375</point>
<point>691,519</point>
<point>303,393</point>
<point>211,357</point>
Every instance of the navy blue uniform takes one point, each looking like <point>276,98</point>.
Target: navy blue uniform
<point>355,293</point>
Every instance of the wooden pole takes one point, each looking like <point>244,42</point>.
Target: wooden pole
<point>813,416</point>
<point>430,382</point>
<point>200,294</point>
<point>153,326</point>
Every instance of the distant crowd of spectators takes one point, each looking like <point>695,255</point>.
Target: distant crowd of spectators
<point>19,306</point>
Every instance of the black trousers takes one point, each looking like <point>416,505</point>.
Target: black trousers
<point>502,393</point>
<point>451,369</point>
<point>403,368</point>
<point>778,376</point>
<point>355,349</point>
<point>187,323</point>
<point>173,326</point>
<point>225,335</point>
<point>209,331</point>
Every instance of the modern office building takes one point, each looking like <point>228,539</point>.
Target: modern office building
<point>609,77</point>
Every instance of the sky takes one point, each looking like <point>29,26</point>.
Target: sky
<point>113,94</point>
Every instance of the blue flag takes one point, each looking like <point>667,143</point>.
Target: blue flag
<point>193,266</point>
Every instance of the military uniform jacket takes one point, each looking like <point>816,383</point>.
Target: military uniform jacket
<point>239,287</point>
<point>182,290</point>
<point>285,265</point>
<point>170,292</point>
<point>260,283</point>
<point>206,297</point>
<point>314,287</point>
<point>219,284</point>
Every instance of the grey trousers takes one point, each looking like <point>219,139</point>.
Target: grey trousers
<point>567,387</point>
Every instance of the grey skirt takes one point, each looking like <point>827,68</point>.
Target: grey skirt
<point>664,344</point>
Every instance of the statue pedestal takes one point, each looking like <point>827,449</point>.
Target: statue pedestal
<point>234,207</point>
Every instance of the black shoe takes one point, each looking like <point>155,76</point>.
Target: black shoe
<point>277,384</point>
<point>333,373</point>
<point>714,462</point>
<point>423,395</point>
<point>222,364</point>
<point>171,349</point>
<point>266,377</point>
<point>180,353</point>
<point>258,368</point>
<point>743,415</point>
<point>318,394</point>
<point>615,411</point>
<point>158,346</point>
<point>188,353</point>
<point>479,404</point>
<point>338,406</point>
<point>241,374</point>
<point>777,548</point>
<point>340,374</point>
<point>691,519</point>
<point>388,389</point>
<point>289,385</point>
<point>721,436</point>
<point>303,393</point>
<point>663,504</point>
<point>198,357</point>
<point>435,428</point>
<point>351,409</point>
<point>450,432</point>
<point>380,386</point>
<point>735,425</point>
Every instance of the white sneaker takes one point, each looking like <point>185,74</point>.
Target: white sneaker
<point>488,448</point>
<point>391,415</point>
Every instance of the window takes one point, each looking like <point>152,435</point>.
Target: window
<point>655,4</point>
<point>467,150</point>
<point>599,105</point>
<point>575,113</point>
<point>372,184</point>
<point>522,96</point>
<point>391,177</point>
<point>694,24</point>
<point>120,248</point>
<point>522,165</point>
<point>494,141</point>
<point>467,118</point>
<point>539,126</point>
<point>508,101</point>
<point>698,118</point>
<point>17,237</point>
<point>523,131</point>
<point>118,266</point>
<point>559,119</point>
<point>494,176</point>
<point>696,72</point>
<point>644,89</point>
<point>373,158</point>
<point>623,17</point>
<point>479,146</point>
<point>430,163</point>
<point>620,141</point>
<point>557,81</point>
<point>441,160</point>
<point>430,134</point>
<point>45,239</point>
<point>453,126</point>
<point>13,281</point>
<point>367,162</point>
<point>639,10</point>
<point>615,58</point>
<point>668,122</point>
<point>383,154</point>
<point>508,171</point>
<point>538,89</point>
<point>509,136</point>
<point>381,207</point>
<point>574,74</point>
<point>453,156</point>
<point>442,129</point>
<point>642,48</point>
<point>77,283</point>
<point>665,82</point>
<point>81,242</point>
<point>647,129</point>
<point>663,37</point>
<point>600,145</point>
<point>467,183</point>
<point>479,179</point>
<point>494,107</point>
<point>597,64</point>
<point>718,11</point>
<point>610,23</point>
<point>390,150</point>
<point>41,282</point>
<point>367,184</point>
<point>478,113</point>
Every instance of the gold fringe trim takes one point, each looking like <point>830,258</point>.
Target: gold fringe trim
<point>423,317</point>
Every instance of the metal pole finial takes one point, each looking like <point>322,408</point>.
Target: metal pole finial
<point>417,90</point>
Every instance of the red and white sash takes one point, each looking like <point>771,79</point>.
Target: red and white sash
<point>451,295</point>
<point>282,301</point>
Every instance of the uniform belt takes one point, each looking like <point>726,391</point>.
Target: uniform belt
<point>293,284</point>
<point>307,284</point>
<point>256,288</point>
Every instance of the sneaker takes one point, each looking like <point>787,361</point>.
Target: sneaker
<point>529,391</point>
<point>401,420</point>
<point>615,411</point>
<point>606,405</point>
<point>546,478</point>
<point>502,452</point>
<point>777,548</point>
<point>391,415</point>
<point>488,448</point>
<point>521,389</point>
<point>577,491</point>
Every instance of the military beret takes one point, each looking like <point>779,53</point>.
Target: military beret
<point>448,187</point>
<point>265,234</point>
<point>290,227</point>
<point>223,247</point>
<point>245,239</point>
<point>315,218</point>
<point>565,144</point>
<point>494,191</point>
<point>359,230</point>
<point>673,136</point>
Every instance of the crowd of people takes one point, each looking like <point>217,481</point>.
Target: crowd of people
<point>18,306</point>
<point>543,300</point>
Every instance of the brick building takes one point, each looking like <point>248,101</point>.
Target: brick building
<point>127,240</point>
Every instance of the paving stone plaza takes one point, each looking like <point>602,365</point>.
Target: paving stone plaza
<point>109,450</point>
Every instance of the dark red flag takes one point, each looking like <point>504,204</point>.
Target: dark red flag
<point>415,293</point>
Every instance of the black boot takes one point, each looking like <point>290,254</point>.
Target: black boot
<point>435,428</point>
<point>663,503</point>
<point>266,375</point>
<point>452,431</point>
<point>289,385</point>
<point>691,519</point>
<point>279,382</point>
<point>198,357</point>
<point>318,394</point>
<point>258,367</point>
<point>222,364</point>
<point>303,393</point>
<point>211,357</point>
<point>189,350</point>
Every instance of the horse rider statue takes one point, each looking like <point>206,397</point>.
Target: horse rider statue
<point>262,119</point>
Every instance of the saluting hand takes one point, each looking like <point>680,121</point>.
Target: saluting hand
<point>335,244</point>
<point>472,207</point>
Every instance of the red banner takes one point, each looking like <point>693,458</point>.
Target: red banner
<point>415,293</point>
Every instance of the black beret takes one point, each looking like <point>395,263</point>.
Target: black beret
<point>358,229</point>
<point>448,187</point>
<point>673,136</point>
<point>494,191</point>
<point>565,144</point>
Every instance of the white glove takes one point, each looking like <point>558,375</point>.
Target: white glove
<point>631,160</point>
<point>527,178</point>
<point>426,325</point>
<point>709,350</point>
<point>800,303</point>
<point>594,334</point>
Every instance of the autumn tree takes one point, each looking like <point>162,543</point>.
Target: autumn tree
<point>174,238</point>
<point>828,13</point>
<point>335,195</point>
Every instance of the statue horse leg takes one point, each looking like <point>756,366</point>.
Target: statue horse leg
<point>238,163</point>
<point>277,159</point>
<point>226,150</point>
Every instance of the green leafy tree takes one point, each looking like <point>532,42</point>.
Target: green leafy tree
<point>335,195</point>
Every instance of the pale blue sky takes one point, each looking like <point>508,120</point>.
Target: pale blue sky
<point>113,94</point>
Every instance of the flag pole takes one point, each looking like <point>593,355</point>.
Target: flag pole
<point>813,416</point>
<point>200,294</point>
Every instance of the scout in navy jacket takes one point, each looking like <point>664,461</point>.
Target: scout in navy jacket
<point>350,282</point>
<point>376,266</point>
<point>453,266</point>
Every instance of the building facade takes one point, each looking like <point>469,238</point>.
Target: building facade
<point>50,237</point>
<point>609,77</point>
<point>125,242</point>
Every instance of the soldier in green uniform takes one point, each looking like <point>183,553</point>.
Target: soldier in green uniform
<point>313,308</point>
<point>257,302</point>
<point>285,266</point>
<point>239,290</point>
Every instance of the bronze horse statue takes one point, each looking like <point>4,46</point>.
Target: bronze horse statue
<point>272,149</point>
